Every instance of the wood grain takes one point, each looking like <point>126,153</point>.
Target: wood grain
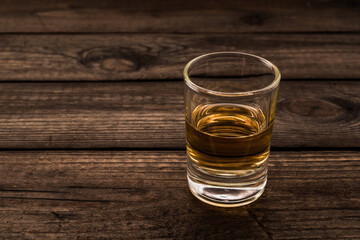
<point>179,16</point>
<point>88,74</point>
<point>151,115</point>
<point>143,194</point>
<point>159,56</point>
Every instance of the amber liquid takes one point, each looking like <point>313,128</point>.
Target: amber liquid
<point>228,139</point>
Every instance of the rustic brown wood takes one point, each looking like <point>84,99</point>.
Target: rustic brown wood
<point>159,56</point>
<point>151,115</point>
<point>143,194</point>
<point>179,16</point>
<point>82,55</point>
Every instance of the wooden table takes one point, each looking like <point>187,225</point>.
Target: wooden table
<point>92,126</point>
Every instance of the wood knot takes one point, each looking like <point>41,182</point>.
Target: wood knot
<point>310,108</point>
<point>116,64</point>
<point>254,19</point>
<point>118,59</point>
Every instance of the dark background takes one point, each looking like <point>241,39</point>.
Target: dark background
<point>92,121</point>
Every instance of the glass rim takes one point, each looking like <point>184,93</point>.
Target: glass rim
<point>275,82</point>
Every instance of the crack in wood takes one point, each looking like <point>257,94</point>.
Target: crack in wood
<point>260,224</point>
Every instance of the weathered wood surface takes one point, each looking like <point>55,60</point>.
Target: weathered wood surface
<point>143,194</point>
<point>57,48</point>
<point>179,16</point>
<point>151,115</point>
<point>70,57</point>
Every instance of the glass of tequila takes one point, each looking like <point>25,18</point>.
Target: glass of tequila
<point>230,100</point>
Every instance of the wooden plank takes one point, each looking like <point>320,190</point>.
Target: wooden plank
<point>143,194</point>
<point>179,16</point>
<point>151,114</point>
<point>154,56</point>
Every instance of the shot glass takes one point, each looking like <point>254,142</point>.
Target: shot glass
<point>230,100</point>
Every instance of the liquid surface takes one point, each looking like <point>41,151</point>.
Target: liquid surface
<point>228,138</point>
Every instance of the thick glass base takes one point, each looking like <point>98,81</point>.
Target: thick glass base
<point>225,196</point>
<point>226,191</point>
